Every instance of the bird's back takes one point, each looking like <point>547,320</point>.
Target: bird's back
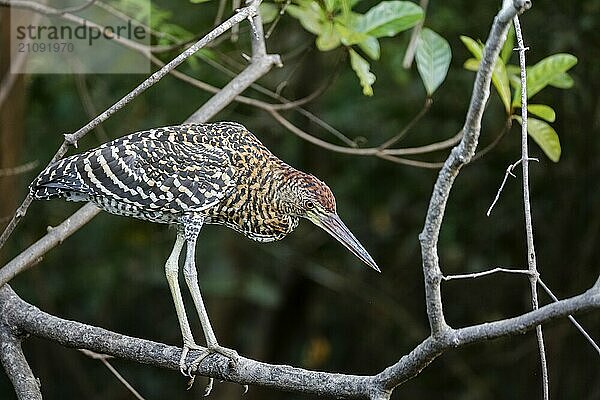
<point>220,171</point>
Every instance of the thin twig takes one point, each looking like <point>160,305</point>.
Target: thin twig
<point>509,171</point>
<point>220,12</point>
<point>487,272</point>
<point>392,141</point>
<point>104,359</point>
<point>88,105</point>
<point>414,38</point>
<point>429,148</point>
<point>20,169</point>
<point>495,142</point>
<point>276,21</point>
<point>531,258</point>
<point>51,11</point>
<point>571,318</point>
<point>73,9</point>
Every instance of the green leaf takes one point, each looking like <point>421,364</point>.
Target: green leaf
<point>349,36</point>
<point>371,47</point>
<point>543,111</point>
<point>562,81</point>
<point>390,17</point>
<point>309,17</point>
<point>332,5</point>
<point>509,44</point>
<point>268,12</point>
<point>471,65</point>
<point>474,47</point>
<point>198,1</point>
<point>545,136</point>
<point>329,38</point>
<point>499,74</point>
<point>433,59</point>
<point>541,74</point>
<point>362,69</point>
<point>502,84</point>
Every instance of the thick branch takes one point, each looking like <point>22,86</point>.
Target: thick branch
<point>77,335</point>
<point>460,156</point>
<point>412,363</point>
<point>54,237</point>
<point>16,366</point>
<point>27,318</point>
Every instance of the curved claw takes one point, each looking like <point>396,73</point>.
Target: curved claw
<point>183,368</point>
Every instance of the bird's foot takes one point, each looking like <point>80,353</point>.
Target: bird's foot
<point>231,354</point>
<point>188,369</point>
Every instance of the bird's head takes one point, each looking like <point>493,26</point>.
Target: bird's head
<point>312,199</point>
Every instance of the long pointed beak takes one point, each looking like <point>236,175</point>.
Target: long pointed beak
<point>333,225</point>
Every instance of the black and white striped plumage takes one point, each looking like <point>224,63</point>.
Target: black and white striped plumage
<point>218,171</point>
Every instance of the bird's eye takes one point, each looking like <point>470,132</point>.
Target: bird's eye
<point>309,204</point>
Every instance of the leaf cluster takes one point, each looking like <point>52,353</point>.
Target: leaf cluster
<point>551,71</point>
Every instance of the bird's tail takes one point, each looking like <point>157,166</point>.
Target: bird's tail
<point>59,179</point>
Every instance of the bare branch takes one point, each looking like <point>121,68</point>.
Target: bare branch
<point>104,360</point>
<point>459,156</point>
<point>17,313</point>
<point>54,237</point>
<point>16,366</point>
<point>261,64</point>
<point>430,148</point>
<point>531,258</point>
<point>392,141</point>
<point>74,9</point>
<point>414,38</point>
<point>88,106</point>
<point>484,273</point>
<point>20,169</point>
<point>571,318</point>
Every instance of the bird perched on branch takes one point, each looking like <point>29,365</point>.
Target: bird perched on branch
<point>191,175</point>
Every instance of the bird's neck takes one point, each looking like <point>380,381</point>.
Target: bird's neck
<point>286,193</point>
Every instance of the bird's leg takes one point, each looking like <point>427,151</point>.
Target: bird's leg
<point>172,272</point>
<point>191,278</point>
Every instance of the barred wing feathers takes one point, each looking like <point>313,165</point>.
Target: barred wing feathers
<point>173,169</point>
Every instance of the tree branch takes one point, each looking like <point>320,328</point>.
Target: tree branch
<point>54,237</point>
<point>531,258</point>
<point>460,156</point>
<point>261,63</point>
<point>23,316</point>
<point>16,366</point>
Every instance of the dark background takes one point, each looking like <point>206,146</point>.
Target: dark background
<point>306,301</point>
